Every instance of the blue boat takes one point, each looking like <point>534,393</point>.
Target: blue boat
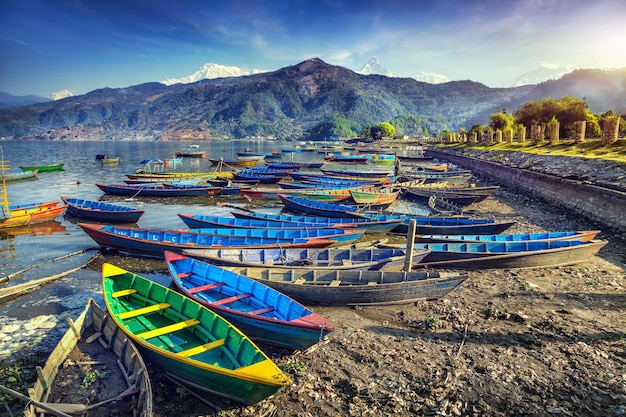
<point>368,225</point>
<point>328,259</point>
<point>101,212</point>
<point>339,236</point>
<point>322,185</point>
<point>259,178</point>
<point>436,225</point>
<point>152,242</point>
<point>260,312</point>
<point>140,190</point>
<point>329,179</point>
<point>584,236</point>
<point>319,208</point>
<point>205,221</point>
<point>497,255</point>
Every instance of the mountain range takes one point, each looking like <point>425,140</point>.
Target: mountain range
<point>289,102</point>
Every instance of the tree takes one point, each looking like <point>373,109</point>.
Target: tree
<point>502,121</point>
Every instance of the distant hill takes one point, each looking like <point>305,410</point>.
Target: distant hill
<point>8,100</point>
<point>283,103</point>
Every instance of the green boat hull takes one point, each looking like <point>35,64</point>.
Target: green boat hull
<point>43,168</point>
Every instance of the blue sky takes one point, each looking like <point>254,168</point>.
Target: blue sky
<point>81,45</point>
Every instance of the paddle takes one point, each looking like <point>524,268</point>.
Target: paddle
<point>233,206</point>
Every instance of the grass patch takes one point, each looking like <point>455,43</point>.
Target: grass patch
<point>590,148</point>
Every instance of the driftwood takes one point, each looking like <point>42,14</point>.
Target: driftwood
<point>20,288</point>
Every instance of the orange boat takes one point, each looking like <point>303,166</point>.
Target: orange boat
<point>31,216</point>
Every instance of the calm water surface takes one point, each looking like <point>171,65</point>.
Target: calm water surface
<point>26,321</point>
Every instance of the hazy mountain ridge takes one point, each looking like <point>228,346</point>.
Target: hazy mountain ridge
<point>8,100</point>
<point>282,103</point>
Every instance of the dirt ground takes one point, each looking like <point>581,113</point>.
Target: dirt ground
<point>536,342</point>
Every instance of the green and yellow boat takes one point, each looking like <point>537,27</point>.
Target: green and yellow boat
<point>188,341</point>
<point>43,168</point>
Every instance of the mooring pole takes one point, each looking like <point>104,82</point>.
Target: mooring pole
<point>410,241</point>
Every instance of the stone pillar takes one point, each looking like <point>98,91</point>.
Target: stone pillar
<point>474,137</point>
<point>611,130</point>
<point>508,135</point>
<point>498,136</point>
<point>579,130</point>
<point>535,134</point>
<point>490,136</point>
<point>553,130</point>
<point>521,133</point>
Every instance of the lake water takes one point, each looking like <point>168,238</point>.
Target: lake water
<point>35,321</point>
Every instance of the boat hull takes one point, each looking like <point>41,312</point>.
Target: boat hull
<point>188,341</point>
<point>266,315</point>
<point>101,212</point>
<point>345,287</point>
<point>94,319</point>
<point>43,168</point>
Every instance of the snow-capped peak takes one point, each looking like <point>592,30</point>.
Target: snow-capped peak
<point>211,70</point>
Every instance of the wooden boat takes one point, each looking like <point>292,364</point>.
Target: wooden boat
<point>188,341</point>
<point>166,176</point>
<point>470,250</point>
<point>320,208</point>
<point>371,175</point>
<point>460,199</point>
<point>258,177</point>
<point>111,161</point>
<point>440,225</point>
<point>325,179</point>
<point>346,159</point>
<point>18,176</point>
<point>583,236</point>
<point>348,287</point>
<point>441,206</point>
<point>452,177</point>
<point>97,336</point>
<point>43,168</point>
<point>31,216</point>
<point>140,190</point>
<point>102,212</point>
<point>338,236</point>
<point>100,156</point>
<point>40,204</point>
<point>374,196</point>
<point>198,221</point>
<point>538,254</point>
<point>328,259</point>
<point>366,224</point>
<point>260,312</point>
<point>330,194</point>
<point>152,242</point>
<point>237,163</point>
<point>291,166</point>
<point>190,151</point>
<point>314,185</point>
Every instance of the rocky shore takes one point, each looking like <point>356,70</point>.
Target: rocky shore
<point>533,342</point>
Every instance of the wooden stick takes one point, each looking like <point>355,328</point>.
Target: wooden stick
<point>410,241</point>
<point>37,403</point>
<point>15,289</point>
<point>204,400</point>
<point>14,274</point>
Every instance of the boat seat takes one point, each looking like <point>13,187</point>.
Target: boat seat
<point>334,283</point>
<point>231,299</point>
<point>168,329</point>
<point>346,262</point>
<point>183,275</point>
<point>206,287</point>
<point>141,311</point>
<point>201,349</point>
<point>123,293</point>
<point>264,310</point>
<point>299,281</point>
<point>372,283</point>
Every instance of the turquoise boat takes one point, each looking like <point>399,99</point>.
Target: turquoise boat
<point>189,342</point>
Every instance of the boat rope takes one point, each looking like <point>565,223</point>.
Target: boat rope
<point>58,258</point>
<point>135,195</point>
